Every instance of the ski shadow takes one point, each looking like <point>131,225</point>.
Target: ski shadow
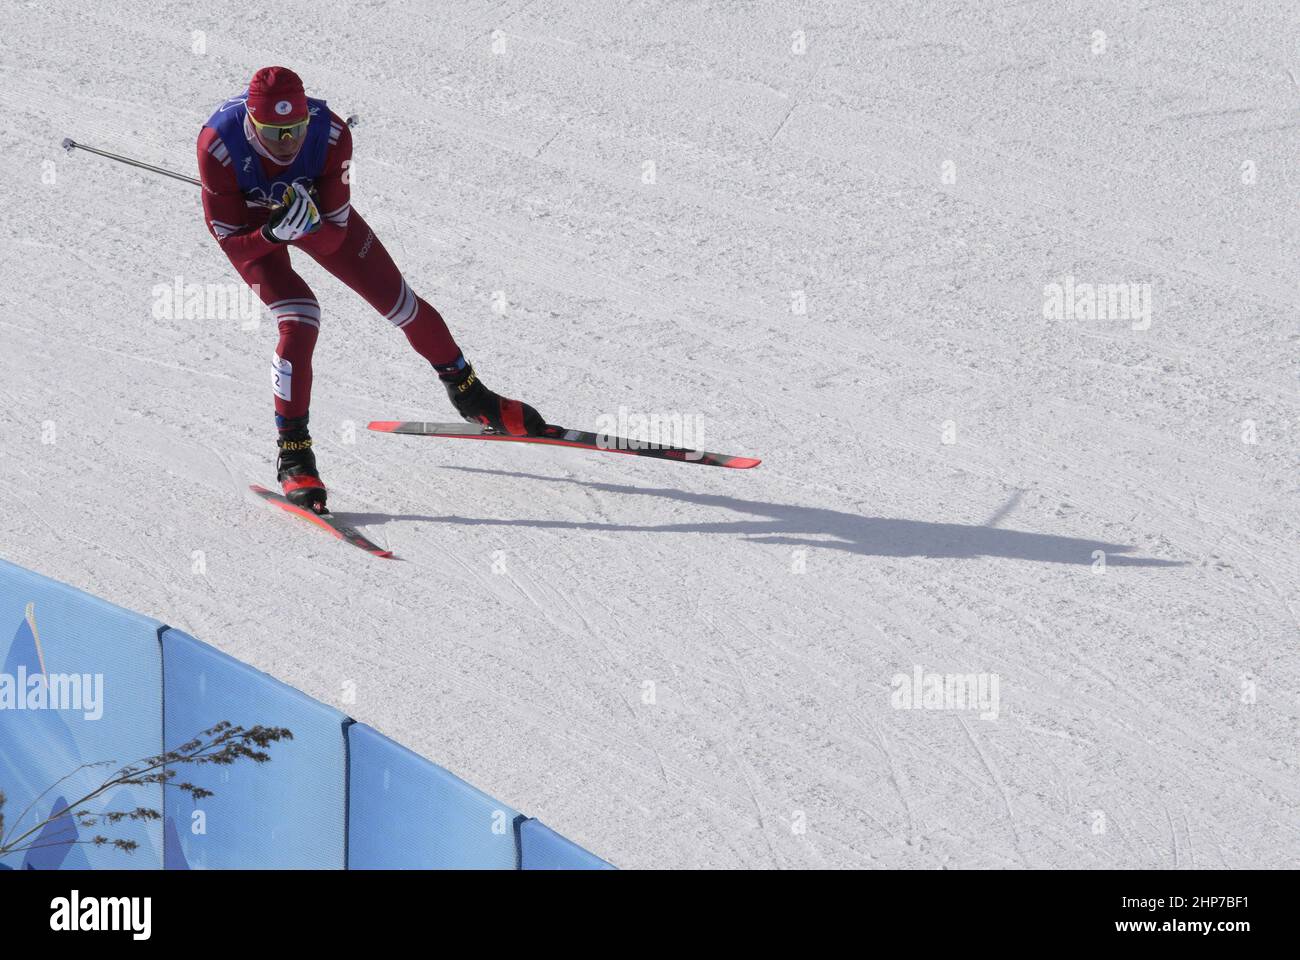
<point>376,519</point>
<point>800,526</point>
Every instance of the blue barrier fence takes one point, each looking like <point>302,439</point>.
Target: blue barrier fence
<point>86,686</point>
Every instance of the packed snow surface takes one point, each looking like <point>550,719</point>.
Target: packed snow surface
<point>824,234</point>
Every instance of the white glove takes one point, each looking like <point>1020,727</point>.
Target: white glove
<point>293,219</point>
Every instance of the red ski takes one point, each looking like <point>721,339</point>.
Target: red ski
<point>326,521</point>
<point>563,437</point>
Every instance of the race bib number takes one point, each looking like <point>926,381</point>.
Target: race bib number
<point>282,378</point>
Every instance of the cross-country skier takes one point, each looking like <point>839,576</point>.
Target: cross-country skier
<point>271,160</point>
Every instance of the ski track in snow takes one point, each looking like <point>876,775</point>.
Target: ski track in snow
<point>622,647</point>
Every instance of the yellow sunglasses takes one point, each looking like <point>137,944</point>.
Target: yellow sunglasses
<point>281,131</point>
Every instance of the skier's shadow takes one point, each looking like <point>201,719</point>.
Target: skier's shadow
<point>800,526</point>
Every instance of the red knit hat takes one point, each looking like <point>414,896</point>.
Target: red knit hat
<point>275,95</point>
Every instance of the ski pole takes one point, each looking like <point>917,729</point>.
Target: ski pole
<point>69,145</point>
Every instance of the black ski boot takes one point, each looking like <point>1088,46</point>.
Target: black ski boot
<point>477,404</point>
<point>295,467</point>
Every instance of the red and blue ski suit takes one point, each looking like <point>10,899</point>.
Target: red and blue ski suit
<point>241,185</point>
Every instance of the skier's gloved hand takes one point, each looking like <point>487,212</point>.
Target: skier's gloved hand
<point>294,218</point>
